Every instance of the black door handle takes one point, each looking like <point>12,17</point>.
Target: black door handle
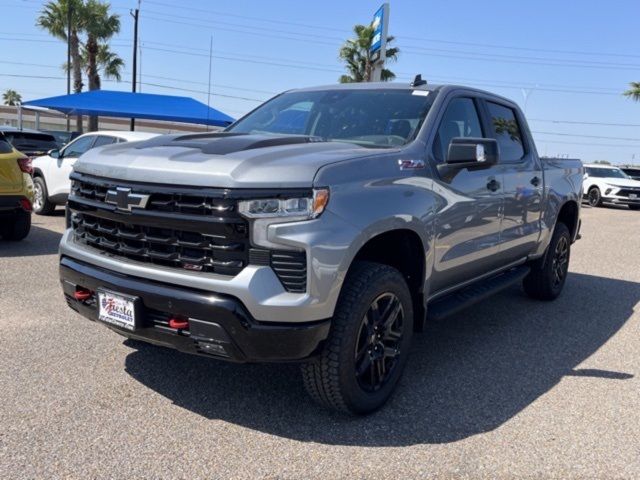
<point>493,185</point>
<point>535,181</point>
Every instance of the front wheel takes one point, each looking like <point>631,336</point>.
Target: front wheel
<point>368,344</point>
<point>41,203</point>
<point>634,207</point>
<point>549,273</point>
<point>594,197</point>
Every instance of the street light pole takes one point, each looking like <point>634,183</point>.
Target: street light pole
<point>135,15</point>
<point>68,57</point>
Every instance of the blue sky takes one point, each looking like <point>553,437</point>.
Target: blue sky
<point>571,60</point>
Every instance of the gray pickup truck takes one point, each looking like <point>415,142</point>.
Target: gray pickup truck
<point>325,227</point>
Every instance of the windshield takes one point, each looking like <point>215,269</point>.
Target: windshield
<point>606,172</point>
<point>372,118</point>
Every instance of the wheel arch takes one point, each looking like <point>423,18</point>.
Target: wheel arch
<point>404,250</point>
<point>569,214</point>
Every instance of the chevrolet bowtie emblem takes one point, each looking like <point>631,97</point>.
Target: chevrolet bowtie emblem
<point>125,200</point>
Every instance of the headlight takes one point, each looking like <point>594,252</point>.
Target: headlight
<point>265,212</point>
<point>301,208</point>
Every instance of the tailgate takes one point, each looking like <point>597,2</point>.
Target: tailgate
<point>10,174</point>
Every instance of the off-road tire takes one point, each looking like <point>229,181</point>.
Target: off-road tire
<point>542,283</point>
<point>331,377</point>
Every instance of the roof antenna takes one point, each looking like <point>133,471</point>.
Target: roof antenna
<point>418,81</point>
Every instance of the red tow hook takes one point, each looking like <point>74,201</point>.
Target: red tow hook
<point>179,323</point>
<point>82,294</point>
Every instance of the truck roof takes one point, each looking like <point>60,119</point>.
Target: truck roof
<point>429,87</point>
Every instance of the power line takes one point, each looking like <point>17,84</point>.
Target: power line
<point>421,39</point>
<point>589,144</point>
<point>587,136</point>
<point>586,123</point>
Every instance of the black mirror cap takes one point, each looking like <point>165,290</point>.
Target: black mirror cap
<point>473,151</point>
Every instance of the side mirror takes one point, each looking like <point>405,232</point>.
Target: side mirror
<point>55,153</point>
<point>469,152</point>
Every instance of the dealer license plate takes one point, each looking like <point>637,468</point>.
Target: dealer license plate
<point>633,196</point>
<point>117,309</point>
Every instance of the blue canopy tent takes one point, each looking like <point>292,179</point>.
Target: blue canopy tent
<point>135,105</point>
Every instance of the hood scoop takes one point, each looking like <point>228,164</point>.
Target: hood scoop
<point>227,142</point>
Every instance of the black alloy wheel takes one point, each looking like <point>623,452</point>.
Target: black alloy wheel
<point>378,348</point>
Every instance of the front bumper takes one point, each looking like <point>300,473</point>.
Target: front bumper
<point>219,325</point>
<point>619,200</point>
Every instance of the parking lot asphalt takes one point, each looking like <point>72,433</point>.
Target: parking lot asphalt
<point>508,388</point>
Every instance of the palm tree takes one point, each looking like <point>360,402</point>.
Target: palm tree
<point>355,53</point>
<point>100,26</point>
<point>53,18</point>
<point>11,97</point>
<point>634,91</point>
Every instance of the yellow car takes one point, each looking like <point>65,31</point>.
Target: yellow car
<point>16,192</point>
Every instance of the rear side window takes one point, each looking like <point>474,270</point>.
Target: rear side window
<point>460,120</point>
<point>103,140</point>
<point>27,141</point>
<point>507,132</point>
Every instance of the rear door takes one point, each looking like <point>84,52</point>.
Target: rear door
<point>522,180</point>
<point>58,182</point>
<point>468,220</point>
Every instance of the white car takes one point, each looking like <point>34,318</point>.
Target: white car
<point>51,172</point>
<point>609,184</point>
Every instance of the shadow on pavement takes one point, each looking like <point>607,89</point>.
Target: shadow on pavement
<point>40,241</point>
<point>466,376</point>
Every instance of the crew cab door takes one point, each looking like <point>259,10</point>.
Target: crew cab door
<point>60,168</point>
<point>522,180</point>
<point>467,231</point>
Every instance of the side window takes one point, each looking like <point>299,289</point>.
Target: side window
<point>78,147</point>
<point>459,120</point>
<point>507,132</point>
<point>103,140</point>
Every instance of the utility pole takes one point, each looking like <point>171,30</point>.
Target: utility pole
<point>135,15</point>
<point>69,16</point>
<point>209,89</point>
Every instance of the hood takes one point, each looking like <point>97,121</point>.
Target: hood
<point>220,160</point>
<point>621,182</point>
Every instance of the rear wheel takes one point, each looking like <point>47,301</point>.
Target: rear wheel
<point>41,203</point>
<point>17,228</point>
<point>367,347</point>
<point>549,273</point>
<point>594,197</point>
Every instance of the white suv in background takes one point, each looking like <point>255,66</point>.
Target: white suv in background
<point>51,172</point>
<point>609,184</point>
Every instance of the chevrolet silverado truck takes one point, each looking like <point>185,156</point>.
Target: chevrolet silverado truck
<point>325,227</point>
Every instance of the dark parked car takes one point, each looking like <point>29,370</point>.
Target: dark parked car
<point>633,172</point>
<point>62,136</point>
<point>30,142</point>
